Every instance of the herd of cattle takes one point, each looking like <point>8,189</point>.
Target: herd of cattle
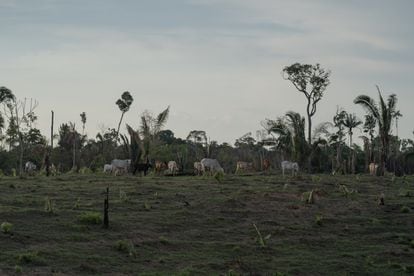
<point>205,166</point>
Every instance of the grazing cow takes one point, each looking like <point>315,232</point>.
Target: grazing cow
<point>29,167</point>
<point>107,168</point>
<point>160,167</point>
<point>198,168</point>
<point>120,166</point>
<point>172,167</point>
<point>287,165</point>
<point>244,166</point>
<point>373,167</point>
<point>266,164</point>
<point>142,167</point>
<point>211,165</point>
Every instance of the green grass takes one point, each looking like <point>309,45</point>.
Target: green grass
<point>201,226</point>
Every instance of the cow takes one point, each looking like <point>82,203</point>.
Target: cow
<point>198,168</point>
<point>107,168</point>
<point>287,165</point>
<point>373,167</point>
<point>160,167</point>
<point>29,167</point>
<point>142,167</point>
<point>172,167</point>
<point>211,165</point>
<point>244,166</point>
<point>120,166</point>
<point>266,164</point>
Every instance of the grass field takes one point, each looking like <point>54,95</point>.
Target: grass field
<point>259,225</point>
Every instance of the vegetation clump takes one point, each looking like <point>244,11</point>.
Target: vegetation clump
<point>6,227</point>
<point>90,218</point>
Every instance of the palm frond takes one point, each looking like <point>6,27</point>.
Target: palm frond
<point>369,105</point>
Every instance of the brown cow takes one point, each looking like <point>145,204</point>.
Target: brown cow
<point>160,167</point>
<point>266,164</point>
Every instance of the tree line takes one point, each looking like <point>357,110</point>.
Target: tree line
<point>328,147</point>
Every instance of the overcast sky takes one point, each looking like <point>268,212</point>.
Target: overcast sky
<point>217,63</point>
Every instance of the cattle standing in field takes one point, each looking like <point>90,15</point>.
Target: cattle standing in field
<point>373,167</point>
<point>211,165</point>
<point>29,167</point>
<point>244,166</point>
<point>160,167</point>
<point>142,167</point>
<point>266,165</point>
<point>287,165</point>
<point>198,168</point>
<point>172,167</point>
<point>107,168</point>
<point>120,166</point>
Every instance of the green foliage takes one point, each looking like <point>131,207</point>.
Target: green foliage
<point>6,227</point>
<point>262,241</point>
<point>49,205</point>
<point>319,220</point>
<point>123,196</point>
<point>90,218</point>
<point>147,206</point>
<point>126,246</point>
<point>18,269</point>
<point>28,257</point>
<point>405,209</point>
<point>85,170</point>
<point>77,204</point>
<point>345,191</point>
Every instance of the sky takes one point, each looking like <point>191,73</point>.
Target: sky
<point>216,63</point>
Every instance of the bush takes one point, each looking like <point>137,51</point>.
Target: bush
<point>405,209</point>
<point>6,227</point>
<point>90,218</point>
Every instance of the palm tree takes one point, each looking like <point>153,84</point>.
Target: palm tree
<point>383,112</point>
<point>351,121</point>
<point>141,140</point>
<point>124,103</point>
<point>291,135</point>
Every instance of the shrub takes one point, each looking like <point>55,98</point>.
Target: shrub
<point>28,257</point>
<point>6,227</point>
<point>126,247</point>
<point>18,269</point>
<point>405,209</point>
<point>90,218</point>
<point>123,196</point>
<point>318,220</point>
<point>49,206</point>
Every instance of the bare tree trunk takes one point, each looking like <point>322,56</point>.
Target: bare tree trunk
<point>51,129</point>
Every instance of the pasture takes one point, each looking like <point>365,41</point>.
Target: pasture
<point>256,224</point>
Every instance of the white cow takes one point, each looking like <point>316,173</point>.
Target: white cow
<point>172,167</point>
<point>107,168</point>
<point>198,168</point>
<point>287,165</point>
<point>120,166</point>
<point>244,166</point>
<point>30,167</point>
<point>373,167</point>
<point>211,165</point>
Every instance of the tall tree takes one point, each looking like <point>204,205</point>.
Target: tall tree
<point>124,103</point>
<point>351,122</point>
<point>311,80</point>
<point>6,96</point>
<point>83,120</point>
<point>383,112</point>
